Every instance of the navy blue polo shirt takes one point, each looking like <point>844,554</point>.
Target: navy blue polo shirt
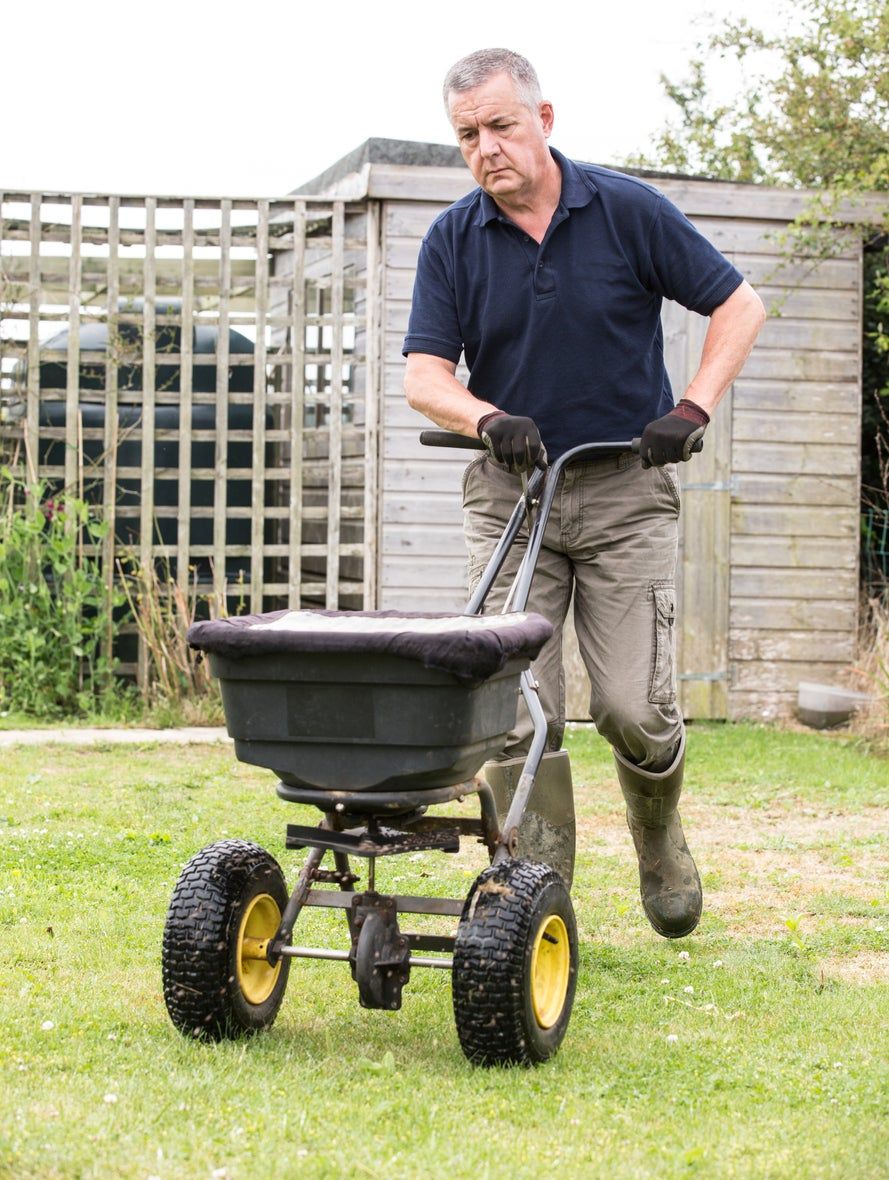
<point>566,332</point>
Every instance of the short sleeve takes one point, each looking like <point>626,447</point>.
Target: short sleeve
<point>685,266</point>
<point>433,327</point>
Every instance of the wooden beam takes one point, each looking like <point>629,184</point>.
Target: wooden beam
<point>372,405</point>
<point>183,518</point>
<point>297,403</point>
<point>72,400</point>
<point>110,427</point>
<point>149,377</point>
<point>32,408</point>
<point>259,410</point>
<point>335,413</point>
<point>221,447</point>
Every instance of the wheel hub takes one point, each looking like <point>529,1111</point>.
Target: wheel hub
<point>550,971</point>
<point>256,975</point>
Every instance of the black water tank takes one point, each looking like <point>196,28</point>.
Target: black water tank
<point>94,338</point>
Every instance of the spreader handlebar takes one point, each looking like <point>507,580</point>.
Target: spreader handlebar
<point>447,438</point>
<point>463,442</point>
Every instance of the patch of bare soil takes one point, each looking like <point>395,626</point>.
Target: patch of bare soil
<point>768,866</point>
<point>863,968</point>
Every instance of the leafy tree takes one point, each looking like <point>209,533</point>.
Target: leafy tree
<point>811,110</point>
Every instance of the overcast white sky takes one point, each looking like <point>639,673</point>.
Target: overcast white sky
<point>254,99</point>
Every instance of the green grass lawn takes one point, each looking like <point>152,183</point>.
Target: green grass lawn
<point>757,1047</point>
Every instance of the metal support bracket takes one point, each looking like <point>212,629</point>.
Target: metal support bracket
<point>380,954</point>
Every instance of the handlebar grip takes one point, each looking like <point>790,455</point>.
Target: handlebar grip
<point>695,450</point>
<point>448,438</point>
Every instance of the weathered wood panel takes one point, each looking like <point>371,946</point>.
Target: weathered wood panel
<point>770,704</point>
<point>754,236</point>
<point>811,303</point>
<point>795,397</point>
<point>800,277</point>
<point>817,645</point>
<point>792,552</point>
<point>775,364</point>
<point>796,614</point>
<point>785,332</point>
<point>794,521</point>
<point>782,676</point>
<point>415,538</point>
<point>795,489</point>
<point>795,458</point>
<point>800,583</point>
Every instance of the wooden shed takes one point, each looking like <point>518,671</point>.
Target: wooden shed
<point>768,592</point>
<point>290,472</point>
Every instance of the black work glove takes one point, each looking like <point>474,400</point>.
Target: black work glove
<point>670,439</point>
<point>513,441</point>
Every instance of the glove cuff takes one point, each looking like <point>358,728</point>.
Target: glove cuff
<point>691,412</point>
<point>486,418</point>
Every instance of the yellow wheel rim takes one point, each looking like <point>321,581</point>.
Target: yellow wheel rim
<point>550,971</point>
<point>256,975</point>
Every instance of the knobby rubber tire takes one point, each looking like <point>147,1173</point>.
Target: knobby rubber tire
<point>506,908</point>
<point>200,973</point>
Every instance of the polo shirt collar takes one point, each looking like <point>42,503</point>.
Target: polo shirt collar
<point>577,190</point>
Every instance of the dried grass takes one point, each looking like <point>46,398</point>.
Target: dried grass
<point>872,674</point>
<point>178,686</point>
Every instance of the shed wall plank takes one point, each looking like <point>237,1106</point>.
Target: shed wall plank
<point>793,397</point>
<point>797,614</point>
<point>776,676</point>
<point>800,583</point>
<point>770,705</point>
<point>834,430</point>
<point>759,488</point>
<point>795,458</point>
<point>800,276</point>
<point>795,521</point>
<point>792,553</point>
<point>759,645</point>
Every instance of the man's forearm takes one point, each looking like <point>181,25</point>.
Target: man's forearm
<point>733,329</point>
<point>433,390</point>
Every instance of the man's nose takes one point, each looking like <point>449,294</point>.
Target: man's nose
<point>488,142</point>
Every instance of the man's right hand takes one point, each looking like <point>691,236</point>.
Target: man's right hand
<point>513,441</point>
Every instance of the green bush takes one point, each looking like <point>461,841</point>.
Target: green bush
<point>55,610</point>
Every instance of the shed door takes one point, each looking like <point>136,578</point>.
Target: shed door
<point>704,539</point>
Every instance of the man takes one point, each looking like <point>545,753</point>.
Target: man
<point>549,279</point>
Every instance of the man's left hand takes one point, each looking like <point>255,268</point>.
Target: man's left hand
<point>670,439</point>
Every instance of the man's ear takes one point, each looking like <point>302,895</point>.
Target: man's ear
<point>547,117</point>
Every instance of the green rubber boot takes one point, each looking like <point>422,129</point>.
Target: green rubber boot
<point>668,877</point>
<point>547,833</point>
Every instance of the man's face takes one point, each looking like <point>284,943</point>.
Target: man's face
<point>501,140</point>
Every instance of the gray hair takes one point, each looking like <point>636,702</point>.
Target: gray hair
<point>478,67</point>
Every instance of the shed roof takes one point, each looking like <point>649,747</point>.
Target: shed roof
<point>404,169</point>
<point>418,154</point>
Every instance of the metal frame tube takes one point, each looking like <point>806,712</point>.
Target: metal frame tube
<point>495,564</point>
<point>320,952</point>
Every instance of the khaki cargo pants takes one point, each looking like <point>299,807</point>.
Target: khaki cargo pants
<point>612,538</point>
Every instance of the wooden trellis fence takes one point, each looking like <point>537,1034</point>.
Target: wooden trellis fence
<point>205,369</point>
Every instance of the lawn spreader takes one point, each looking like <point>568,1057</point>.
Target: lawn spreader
<point>374,718</point>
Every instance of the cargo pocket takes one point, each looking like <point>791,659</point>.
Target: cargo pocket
<point>470,469</point>
<point>662,688</point>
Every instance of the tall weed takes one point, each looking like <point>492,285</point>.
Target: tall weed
<point>56,612</point>
<point>178,688</point>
